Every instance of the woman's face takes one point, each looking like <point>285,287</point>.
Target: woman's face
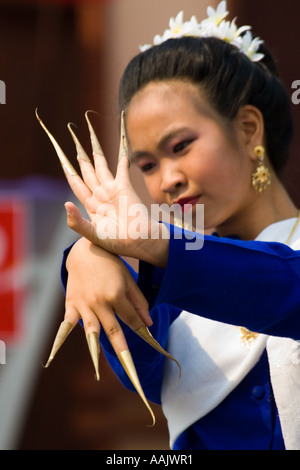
<point>187,154</point>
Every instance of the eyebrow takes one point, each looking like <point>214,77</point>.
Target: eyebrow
<point>161,144</point>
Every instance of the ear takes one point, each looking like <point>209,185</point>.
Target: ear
<point>250,125</point>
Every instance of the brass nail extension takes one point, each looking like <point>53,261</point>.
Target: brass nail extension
<point>123,150</point>
<point>144,333</point>
<point>65,163</point>
<point>96,147</point>
<point>64,329</point>
<point>80,150</point>
<point>126,360</point>
<point>94,347</point>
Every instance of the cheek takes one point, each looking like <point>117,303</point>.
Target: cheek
<point>152,184</point>
<point>220,169</point>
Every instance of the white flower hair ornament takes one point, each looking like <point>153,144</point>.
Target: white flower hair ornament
<point>212,26</point>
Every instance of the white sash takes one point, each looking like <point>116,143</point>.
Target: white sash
<point>214,361</point>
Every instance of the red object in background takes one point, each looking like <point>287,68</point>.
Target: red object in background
<point>13,270</point>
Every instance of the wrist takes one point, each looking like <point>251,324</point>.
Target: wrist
<point>77,251</point>
<point>155,249</point>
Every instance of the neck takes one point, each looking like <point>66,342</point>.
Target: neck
<point>265,209</point>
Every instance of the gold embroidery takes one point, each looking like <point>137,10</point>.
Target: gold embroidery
<point>248,337</point>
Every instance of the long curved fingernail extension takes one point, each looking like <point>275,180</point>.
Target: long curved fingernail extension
<point>96,147</point>
<point>63,331</point>
<point>145,334</point>
<point>126,360</point>
<point>81,153</point>
<point>94,347</point>
<point>123,150</point>
<point>65,163</point>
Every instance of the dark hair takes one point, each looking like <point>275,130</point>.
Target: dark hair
<point>229,79</point>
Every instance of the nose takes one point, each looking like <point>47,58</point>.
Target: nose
<point>172,178</point>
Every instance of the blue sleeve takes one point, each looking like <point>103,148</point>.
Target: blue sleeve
<point>148,362</point>
<point>252,284</point>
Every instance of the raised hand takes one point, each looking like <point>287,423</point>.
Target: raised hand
<point>111,202</point>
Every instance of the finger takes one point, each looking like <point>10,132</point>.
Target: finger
<point>122,172</point>
<point>123,160</point>
<point>80,150</point>
<point>67,166</point>
<point>90,321</point>
<point>113,330</point>
<point>101,164</point>
<point>117,339</point>
<point>140,306</point>
<point>128,365</point>
<point>145,334</point>
<point>103,173</point>
<point>123,149</point>
<point>88,174</point>
<point>70,321</point>
<point>94,348</point>
<point>87,169</point>
<point>96,147</point>
<point>78,187</point>
<point>71,314</point>
<point>92,331</point>
<point>139,303</point>
<point>129,314</point>
<point>79,224</point>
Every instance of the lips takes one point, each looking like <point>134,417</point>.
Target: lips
<point>188,201</point>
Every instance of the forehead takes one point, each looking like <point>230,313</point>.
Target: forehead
<point>162,106</point>
<point>172,93</point>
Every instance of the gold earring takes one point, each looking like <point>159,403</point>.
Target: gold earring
<point>261,178</point>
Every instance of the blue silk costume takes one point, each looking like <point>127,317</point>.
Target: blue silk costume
<point>253,283</point>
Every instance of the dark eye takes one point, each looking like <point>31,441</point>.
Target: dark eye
<point>181,146</point>
<point>147,167</point>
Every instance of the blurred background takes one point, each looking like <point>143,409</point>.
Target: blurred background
<point>64,57</point>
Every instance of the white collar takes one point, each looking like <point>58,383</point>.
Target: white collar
<point>279,231</point>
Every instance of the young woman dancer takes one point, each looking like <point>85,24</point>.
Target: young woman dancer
<point>207,122</point>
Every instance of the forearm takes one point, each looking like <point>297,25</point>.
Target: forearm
<point>252,284</point>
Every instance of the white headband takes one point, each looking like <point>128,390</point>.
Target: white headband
<point>212,26</point>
